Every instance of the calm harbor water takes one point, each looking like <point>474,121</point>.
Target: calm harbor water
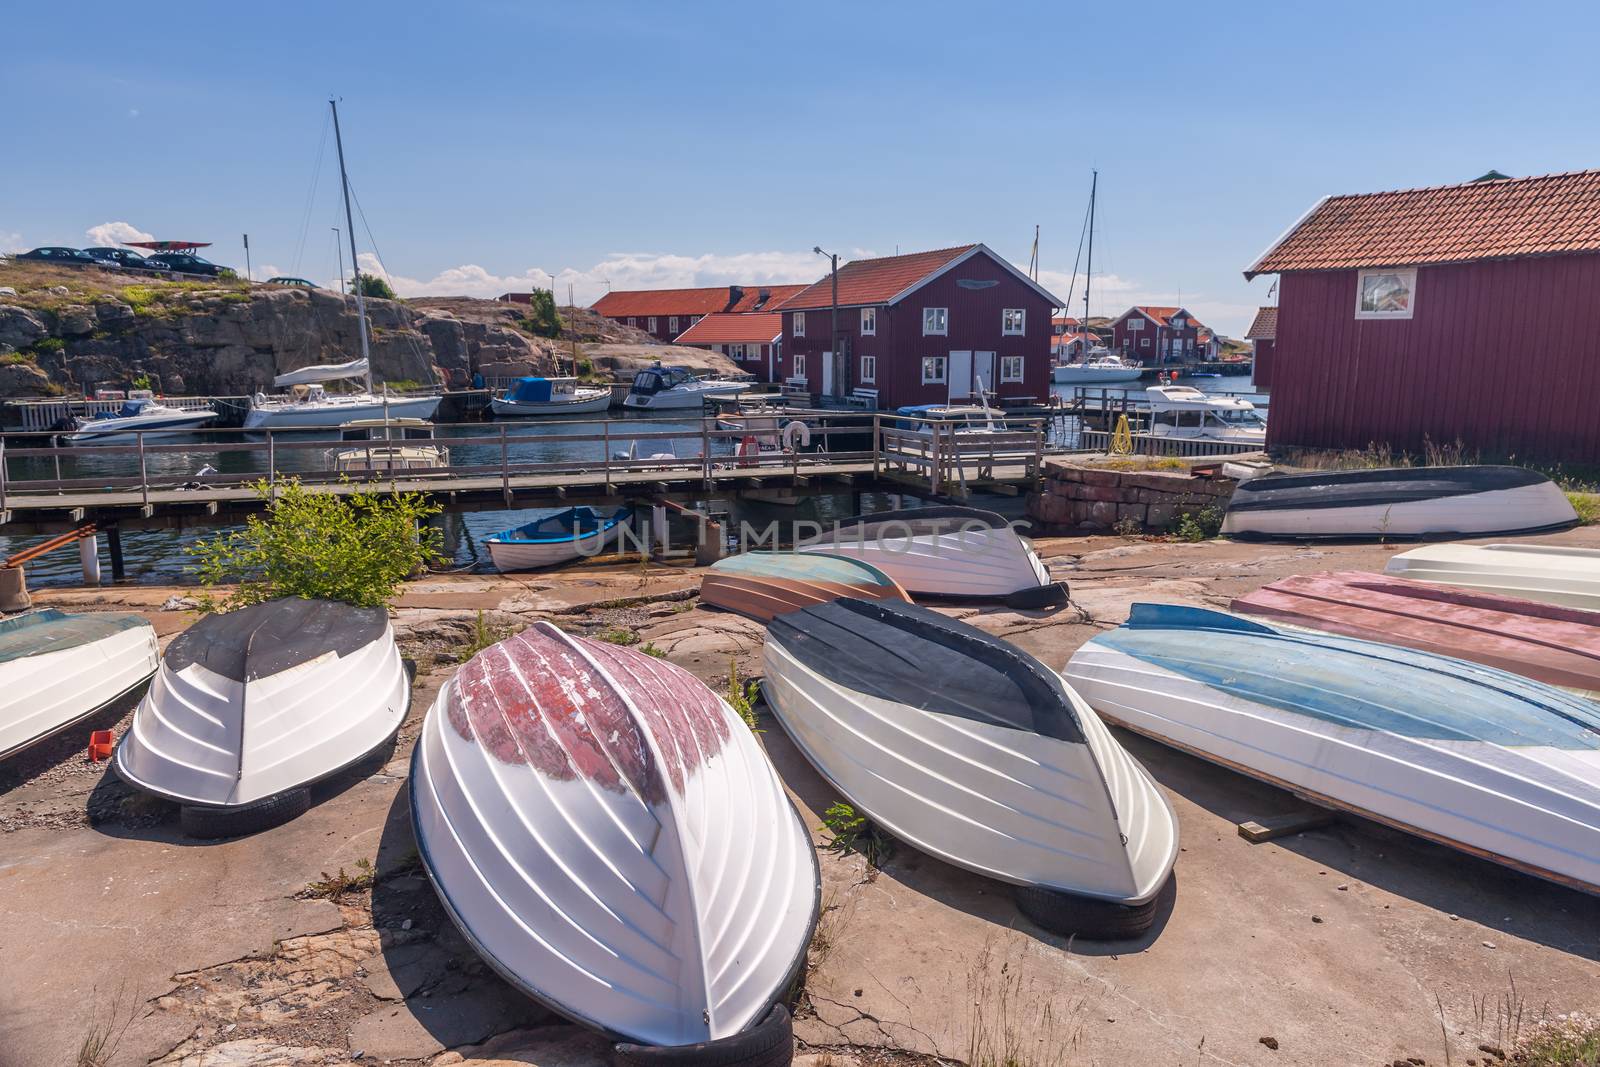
<point>157,556</point>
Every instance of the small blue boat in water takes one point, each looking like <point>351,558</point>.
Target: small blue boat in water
<point>559,538</point>
<point>550,396</point>
<point>1470,756</point>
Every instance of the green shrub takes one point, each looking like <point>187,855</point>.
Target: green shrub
<point>373,286</point>
<point>356,548</point>
<point>1587,505</point>
<point>47,345</point>
<point>542,319</point>
<point>618,635</point>
<point>8,358</point>
<point>1198,525</point>
<point>849,831</point>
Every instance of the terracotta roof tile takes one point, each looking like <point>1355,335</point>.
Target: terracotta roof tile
<point>1264,327</point>
<point>704,301</point>
<point>775,295</point>
<point>1550,215</point>
<point>723,328</point>
<point>874,281</point>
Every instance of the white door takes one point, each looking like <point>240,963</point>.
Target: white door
<point>960,376</point>
<point>982,372</point>
<point>827,374</point>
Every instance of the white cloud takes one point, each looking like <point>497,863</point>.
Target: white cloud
<point>1113,294</point>
<point>133,112</point>
<point>11,241</point>
<point>115,233</point>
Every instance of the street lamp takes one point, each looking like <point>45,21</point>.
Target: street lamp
<point>833,336</point>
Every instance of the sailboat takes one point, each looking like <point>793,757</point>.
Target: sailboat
<point>308,405</point>
<point>1099,366</point>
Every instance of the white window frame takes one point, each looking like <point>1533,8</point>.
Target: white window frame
<point>943,365</point>
<point>800,365</point>
<point>869,370</point>
<point>1407,277</point>
<point>1006,365</point>
<point>942,322</point>
<point>1144,342</point>
<point>672,324</point>
<point>799,323</point>
<point>652,323</point>
<point>633,320</point>
<point>1021,328</point>
<point>869,322</point>
<point>1134,323</point>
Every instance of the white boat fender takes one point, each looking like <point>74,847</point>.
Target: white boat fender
<point>796,431</point>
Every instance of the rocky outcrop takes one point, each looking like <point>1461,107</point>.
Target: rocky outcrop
<point>1079,497</point>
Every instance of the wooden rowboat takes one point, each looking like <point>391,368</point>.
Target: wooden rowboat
<point>1554,574</point>
<point>765,584</point>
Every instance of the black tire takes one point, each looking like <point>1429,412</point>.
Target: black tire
<point>211,823</point>
<point>1068,915</point>
<point>770,1043</point>
<point>1053,595</point>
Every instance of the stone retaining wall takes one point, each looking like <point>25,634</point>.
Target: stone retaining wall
<point>1077,497</point>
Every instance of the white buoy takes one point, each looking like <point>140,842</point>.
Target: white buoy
<point>89,559</point>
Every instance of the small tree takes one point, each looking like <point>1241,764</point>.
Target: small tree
<point>543,319</point>
<point>373,286</point>
<point>356,548</point>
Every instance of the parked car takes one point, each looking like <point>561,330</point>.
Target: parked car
<point>70,257</point>
<point>116,257</point>
<point>183,263</point>
<point>292,281</point>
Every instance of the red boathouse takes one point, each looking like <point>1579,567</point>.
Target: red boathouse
<point>1459,312</point>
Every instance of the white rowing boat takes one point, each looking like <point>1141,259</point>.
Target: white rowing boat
<point>57,669</point>
<point>566,535</point>
<point>972,751</point>
<point>1473,757</point>
<point>1553,574</point>
<point>609,835</point>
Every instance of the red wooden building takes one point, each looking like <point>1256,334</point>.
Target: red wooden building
<point>1457,312</point>
<point>666,313</point>
<point>925,328</point>
<point>1156,335</point>
<point>1263,337</point>
<point>750,339</point>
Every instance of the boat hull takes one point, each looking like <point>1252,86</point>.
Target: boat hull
<point>1069,375</point>
<point>502,406</point>
<point>69,679</point>
<point>763,585</point>
<point>1550,574</point>
<point>916,720</point>
<point>216,730</point>
<point>611,838</point>
<point>331,416</point>
<point>680,398</point>
<point>1486,762</point>
<point>1405,502</point>
<point>509,555</point>
<point>126,431</point>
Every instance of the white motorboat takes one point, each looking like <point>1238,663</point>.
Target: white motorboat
<point>550,396</point>
<point>946,552</point>
<point>661,387</point>
<point>309,406</point>
<point>58,669</point>
<point>1184,411</point>
<point>140,412</point>
<point>609,836</point>
<point>1552,574</point>
<point>1488,762</point>
<point>573,533</point>
<point>973,751</point>
<point>1398,502</point>
<point>252,706</point>
<point>1099,367</point>
<point>387,446</point>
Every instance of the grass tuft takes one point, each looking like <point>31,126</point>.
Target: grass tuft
<point>1587,505</point>
<point>335,887</point>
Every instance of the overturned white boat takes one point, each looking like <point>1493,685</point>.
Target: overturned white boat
<point>946,552</point>
<point>1552,574</point>
<point>1398,502</point>
<point>609,835</point>
<point>252,706</point>
<point>1488,762</point>
<point>58,669</point>
<point>973,751</point>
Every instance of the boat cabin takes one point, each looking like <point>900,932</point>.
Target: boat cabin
<point>542,390</point>
<point>138,400</point>
<point>659,379</point>
<point>387,445</point>
<point>1182,411</point>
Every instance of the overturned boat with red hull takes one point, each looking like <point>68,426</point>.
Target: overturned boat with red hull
<point>610,837</point>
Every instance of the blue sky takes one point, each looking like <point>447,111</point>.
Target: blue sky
<point>658,144</point>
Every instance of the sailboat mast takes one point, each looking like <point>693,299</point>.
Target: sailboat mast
<point>350,228</point>
<point>1088,273</point>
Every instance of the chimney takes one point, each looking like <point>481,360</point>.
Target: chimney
<point>762,296</point>
<point>735,294</point>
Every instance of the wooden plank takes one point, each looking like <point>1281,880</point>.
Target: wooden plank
<point>1269,827</point>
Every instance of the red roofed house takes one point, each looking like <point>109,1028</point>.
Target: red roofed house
<point>1457,312</point>
<point>924,328</point>
<point>1071,346</point>
<point>666,313</point>
<point>1156,335</point>
<point>750,339</point>
<point>1262,335</point>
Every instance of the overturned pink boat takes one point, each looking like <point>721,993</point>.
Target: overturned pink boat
<point>610,836</point>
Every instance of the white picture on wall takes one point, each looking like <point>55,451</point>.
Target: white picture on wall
<point>1386,294</point>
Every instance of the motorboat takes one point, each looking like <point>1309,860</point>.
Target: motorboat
<point>252,706</point>
<point>1398,502</point>
<point>1547,642</point>
<point>1550,574</point>
<point>58,669</point>
<point>1183,411</point>
<point>969,749</point>
<point>1466,755</point>
<point>661,387</point>
<point>764,584</point>
<point>387,446</point>
<point>309,406</point>
<point>1099,367</point>
<point>550,396</point>
<point>140,413</point>
<point>973,427</point>
<point>609,836</point>
<point>946,552</point>
<point>562,537</point>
